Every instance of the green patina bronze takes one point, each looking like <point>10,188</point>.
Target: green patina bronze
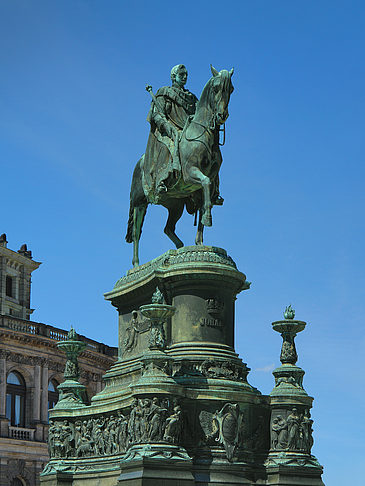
<point>180,168</point>
<point>291,430</point>
<point>72,393</point>
<point>177,408</point>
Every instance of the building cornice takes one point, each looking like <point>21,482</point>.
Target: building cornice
<point>51,364</point>
<point>20,259</point>
<point>93,358</point>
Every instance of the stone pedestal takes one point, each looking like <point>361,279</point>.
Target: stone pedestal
<point>177,408</point>
<point>162,464</point>
<point>290,460</point>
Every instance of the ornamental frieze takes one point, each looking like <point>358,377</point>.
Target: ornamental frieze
<point>217,369</point>
<point>149,420</point>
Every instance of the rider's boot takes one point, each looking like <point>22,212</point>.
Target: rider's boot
<point>207,218</point>
<point>218,201</point>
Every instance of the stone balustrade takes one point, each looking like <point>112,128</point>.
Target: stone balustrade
<point>40,329</point>
<point>21,433</point>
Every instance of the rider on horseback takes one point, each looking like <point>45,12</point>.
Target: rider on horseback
<point>180,168</point>
<point>168,114</point>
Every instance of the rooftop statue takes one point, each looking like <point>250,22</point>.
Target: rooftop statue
<point>180,167</point>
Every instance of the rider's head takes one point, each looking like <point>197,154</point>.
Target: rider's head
<point>179,75</point>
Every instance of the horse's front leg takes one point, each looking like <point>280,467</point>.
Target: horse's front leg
<point>199,233</point>
<point>175,212</point>
<point>197,176</point>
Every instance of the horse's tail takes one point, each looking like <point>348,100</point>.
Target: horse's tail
<point>129,235</point>
<point>137,199</point>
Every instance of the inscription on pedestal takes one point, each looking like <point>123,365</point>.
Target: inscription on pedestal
<point>211,322</point>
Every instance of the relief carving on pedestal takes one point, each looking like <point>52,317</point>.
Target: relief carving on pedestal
<point>225,428</point>
<point>224,369</point>
<point>134,328</point>
<point>149,420</point>
<point>213,368</point>
<point>293,432</point>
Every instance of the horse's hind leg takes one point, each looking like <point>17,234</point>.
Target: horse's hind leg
<point>138,217</point>
<point>199,233</point>
<point>175,212</point>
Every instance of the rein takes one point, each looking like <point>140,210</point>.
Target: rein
<point>205,129</point>
<point>212,126</point>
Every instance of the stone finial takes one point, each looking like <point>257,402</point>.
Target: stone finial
<point>72,346</point>
<point>3,241</point>
<point>157,297</point>
<point>289,312</point>
<point>72,393</point>
<point>288,329</point>
<point>23,250</point>
<point>288,377</point>
<point>71,335</point>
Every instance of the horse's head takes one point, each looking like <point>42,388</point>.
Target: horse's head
<point>220,92</point>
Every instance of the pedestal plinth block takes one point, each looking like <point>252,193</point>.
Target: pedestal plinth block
<point>177,408</point>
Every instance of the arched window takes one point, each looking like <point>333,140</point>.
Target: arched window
<point>52,394</point>
<point>15,399</point>
<point>16,482</point>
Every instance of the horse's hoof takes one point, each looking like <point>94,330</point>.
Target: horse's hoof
<point>207,220</point>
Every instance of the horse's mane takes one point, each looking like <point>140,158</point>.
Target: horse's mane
<point>204,97</point>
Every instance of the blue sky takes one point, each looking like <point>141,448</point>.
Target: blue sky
<point>73,124</point>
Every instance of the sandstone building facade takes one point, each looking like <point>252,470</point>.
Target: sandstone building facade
<point>31,368</point>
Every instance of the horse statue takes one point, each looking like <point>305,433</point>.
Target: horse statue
<point>200,157</point>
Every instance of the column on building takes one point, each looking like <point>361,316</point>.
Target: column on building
<point>2,285</point>
<point>4,423</point>
<point>22,292</point>
<point>2,386</point>
<point>37,394</point>
<point>44,394</point>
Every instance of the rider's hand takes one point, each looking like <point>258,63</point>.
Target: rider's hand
<point>170,131</point>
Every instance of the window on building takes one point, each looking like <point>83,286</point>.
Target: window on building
<point>15,399</point>
<point>16,482</point>
<point>9,286</point>
<point>52,394</point>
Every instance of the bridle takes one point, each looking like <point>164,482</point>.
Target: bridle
<point>212,127</point>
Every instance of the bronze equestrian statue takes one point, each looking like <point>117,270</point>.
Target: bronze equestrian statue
<point>180,167</point>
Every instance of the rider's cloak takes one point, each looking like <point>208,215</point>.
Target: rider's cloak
<point>161,164</point>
